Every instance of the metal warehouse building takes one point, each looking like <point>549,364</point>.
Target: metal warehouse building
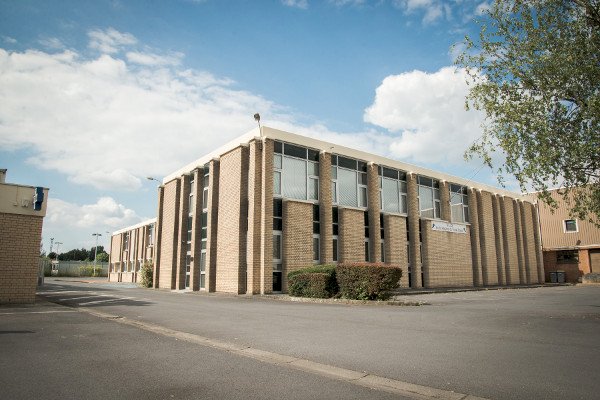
<point>240,218</point>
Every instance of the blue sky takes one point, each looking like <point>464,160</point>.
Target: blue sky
<point>97,95</point>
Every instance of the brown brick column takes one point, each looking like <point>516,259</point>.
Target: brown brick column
<point>198,175</point>
<point>519,231</point>
<point>499,238</point>
<point>538,244</point>
<point>487,238</point>
<point>445,200</point>
<point>394,227</point>
<point>212,217</point>
<point>157,239</point>
<point>374,209</point>
<point>413,228</point>
<point>475,245</point>
<point>351,235</point>
<point>182,231</point>
<point>266,222</point>
<point>169,234</point>
<point>509,240</point>
<point>254,216</point>
<point>325,206</point>
<point>297,237</point>
<point>528,242</point>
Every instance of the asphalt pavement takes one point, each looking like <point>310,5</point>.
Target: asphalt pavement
<point>501,344</point>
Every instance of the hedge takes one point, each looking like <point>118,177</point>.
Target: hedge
<point>145,275</point>
<point>316,281</point>
<point>367,281</point>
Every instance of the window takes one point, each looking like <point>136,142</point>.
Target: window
<point>429,197</point>
<point>205,183</point>
<point>382,236</point>
<point>366,219</point>
<point>295,172</point>
<point>316,234</point>
<point>567,257</point>
<point>392,185</point>
<point>204,241</point>
<point>277,244</point>
<point>191,197</point>
<point>335,228</point>
<point>126,241</point>
<point>459,203</point>
<point>150,235</point>
<point>570,225</point>
<point>349,181</point>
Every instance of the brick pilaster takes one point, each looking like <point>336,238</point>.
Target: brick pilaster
<point>157,239</point>
<point>182,231</point>
<point>254,216</point>
<point>266,223</point>
<point>499,238</point>
<point>325,206</point>
<point>413,228</point>
<point>212,217</point>
<point>445,201</point>
<point>475,245</point>
<point>374,210</point>
<point>198,175</point>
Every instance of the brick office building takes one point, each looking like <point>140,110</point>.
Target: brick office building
<point>130,248</point>
<point>22,211</point>
<point>240,218</point>
<point>569,245</point>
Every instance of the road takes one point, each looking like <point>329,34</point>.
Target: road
<point>502,344</point>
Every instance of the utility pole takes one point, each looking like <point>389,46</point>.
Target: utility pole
<point>96,250</point>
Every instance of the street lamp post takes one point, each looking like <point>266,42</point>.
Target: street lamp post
<point>96,251</point>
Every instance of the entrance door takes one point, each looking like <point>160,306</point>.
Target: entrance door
<point>595,260</point>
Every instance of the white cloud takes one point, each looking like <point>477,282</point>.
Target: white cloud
<point>110,40</point>
<point>427,110</point>
<point>52,43</point>
<point>343,3</point>
<point>9,40</point>
<point>73,224</point>
<point>432,9</point>
<point>107,121</point>
<point>150,59</point>
<point>303,4</point>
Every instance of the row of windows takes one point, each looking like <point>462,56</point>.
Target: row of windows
<point>296,176</point>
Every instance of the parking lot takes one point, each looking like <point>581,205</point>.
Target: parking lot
<point>501,344</point>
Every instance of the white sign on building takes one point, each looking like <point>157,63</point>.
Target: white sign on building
<point>448,227</point>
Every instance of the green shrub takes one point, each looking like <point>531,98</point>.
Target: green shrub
<point>367,281</point>
<point>89,270</point>
<point>316,281</point>
<point>145,275</point>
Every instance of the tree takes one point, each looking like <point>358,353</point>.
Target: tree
<point>102,257</point>
<point>535,73</point>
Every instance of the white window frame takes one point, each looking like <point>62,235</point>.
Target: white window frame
<point>463,197</point>
<point>205,187</point>
<point>336,253</point>
<point>402,196</point>
<point>432,189</point>
<point>318,237</point>
<point>308,176</point>
<point>565,226</point>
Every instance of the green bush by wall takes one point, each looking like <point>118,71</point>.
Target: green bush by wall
<point>317,281</point>
<point>367,281</point>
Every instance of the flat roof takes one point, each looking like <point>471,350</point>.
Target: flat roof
<point>132,227</point>
<point>332,148</point>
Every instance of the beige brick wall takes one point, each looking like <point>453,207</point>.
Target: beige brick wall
<point>297,237</point>
<point>446,258</point>
<point>20,237</point>
<point>539,260</point>
<point>169,235</point>
<point>212,225</point>
<point>498,236</point>
<point>394,227</point>
<point>266,258</point>
<point>374,210</point>
<point>445,201</point>
<point>231,248</point>
<point>254,215</point>
<point>509,241</point>
<point>527,215</point>
<point>413,228</point>
<point>487,238</point>
<point>325,202</point>
<point>351,235</point>
<point>475,243</point>
<point>520,244</point>
<point>158,244</point>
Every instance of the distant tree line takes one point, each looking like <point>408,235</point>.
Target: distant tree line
<point>81,255</point>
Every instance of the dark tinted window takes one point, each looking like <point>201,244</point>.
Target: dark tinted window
<point>316,227</point>
<point>390,173</point>
<point>333,160</point>
<point>278,147</point>
<point>277,208</point>
<point>362,166</point>
<point>294,151</point>
<point>316,213</point>
<point>334,215</point>
<point>313,155</point>
<point>346,162</point>
<point>277,224</point>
